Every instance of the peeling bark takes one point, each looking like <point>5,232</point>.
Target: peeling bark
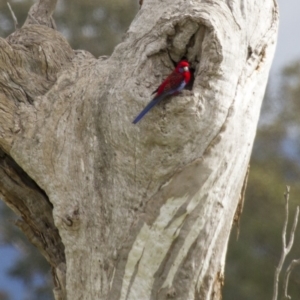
<point>143,211</point>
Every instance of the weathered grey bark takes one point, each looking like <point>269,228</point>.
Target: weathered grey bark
<point>143,211</point>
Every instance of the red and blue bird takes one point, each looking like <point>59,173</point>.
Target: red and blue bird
<point>172,85</point>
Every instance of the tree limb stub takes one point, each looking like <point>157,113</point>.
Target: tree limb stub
<point>41,13</point>
<point>144,212</point>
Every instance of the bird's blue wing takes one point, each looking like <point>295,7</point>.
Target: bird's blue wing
<point>180,87</point>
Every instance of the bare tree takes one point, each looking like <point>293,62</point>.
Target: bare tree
<point>125,211</point>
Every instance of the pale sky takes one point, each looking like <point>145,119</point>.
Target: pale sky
<point>288,44</point>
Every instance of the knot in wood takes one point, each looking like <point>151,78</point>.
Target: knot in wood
<point>72,219</point>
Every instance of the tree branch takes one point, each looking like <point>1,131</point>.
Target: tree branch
<point>289,270</point>
<point>13,16</point>
<point>286,247</point>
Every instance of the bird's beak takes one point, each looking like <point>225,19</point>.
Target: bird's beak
<point>186,69</point>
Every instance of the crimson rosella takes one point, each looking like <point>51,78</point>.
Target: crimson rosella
<point>172,85</point>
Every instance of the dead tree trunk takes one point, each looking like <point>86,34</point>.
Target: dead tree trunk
<point>125,211</point>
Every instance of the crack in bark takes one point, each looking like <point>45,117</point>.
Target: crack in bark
<point>136,268</point>
<point>30,202</point>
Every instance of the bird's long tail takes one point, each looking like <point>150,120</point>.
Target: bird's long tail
<point>152,103</point>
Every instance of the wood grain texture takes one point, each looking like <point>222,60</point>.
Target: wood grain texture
<point>144,211</point>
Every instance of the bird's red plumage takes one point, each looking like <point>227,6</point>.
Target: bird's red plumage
<point>175,78</point>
